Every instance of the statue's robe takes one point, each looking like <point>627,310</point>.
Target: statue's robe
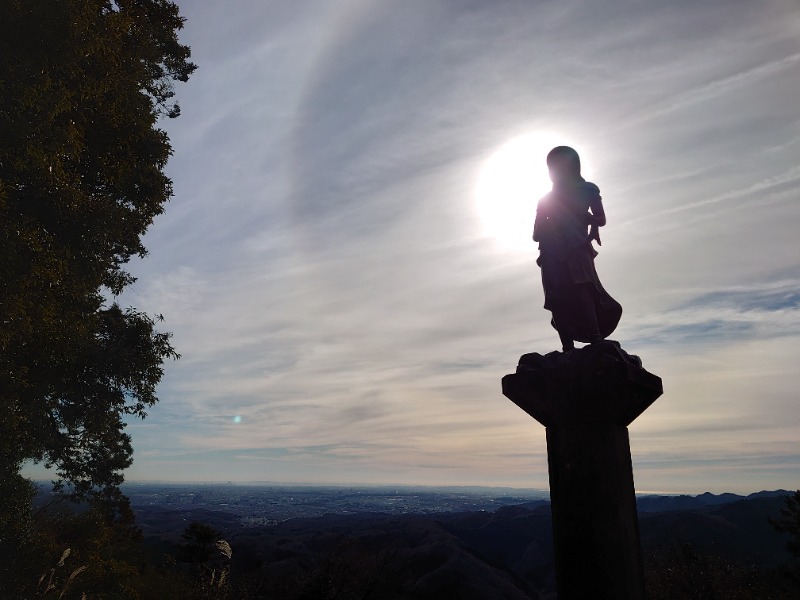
<point>566,258</point>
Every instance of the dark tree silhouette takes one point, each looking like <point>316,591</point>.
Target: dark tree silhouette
<point>82,86</point>
<point>789,523</point>
<point>198,543</point>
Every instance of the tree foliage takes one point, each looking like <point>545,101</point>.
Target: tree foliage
<point>789,524</point>
<point>83,84</point>
<point>198,543</point>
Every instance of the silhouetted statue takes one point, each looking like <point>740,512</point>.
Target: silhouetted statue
<point>567,220</point>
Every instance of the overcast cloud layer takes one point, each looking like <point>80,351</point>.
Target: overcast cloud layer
<point>342,316</point>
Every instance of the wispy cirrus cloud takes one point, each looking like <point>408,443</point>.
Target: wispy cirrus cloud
<point>323,265</point>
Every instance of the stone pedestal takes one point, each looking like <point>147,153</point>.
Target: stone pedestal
<point>586,400</point>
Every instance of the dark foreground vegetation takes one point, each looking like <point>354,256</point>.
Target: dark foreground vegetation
<point>745,549</point>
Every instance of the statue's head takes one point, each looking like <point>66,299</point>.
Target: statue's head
<point>564,164</point>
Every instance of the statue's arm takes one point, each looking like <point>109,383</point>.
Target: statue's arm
<point>596,218</point>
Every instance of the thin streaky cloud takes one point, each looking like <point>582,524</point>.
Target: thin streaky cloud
<point>790,176</point>
<point>342,312</point>
<point>716,88</point>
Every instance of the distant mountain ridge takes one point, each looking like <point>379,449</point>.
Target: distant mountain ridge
<point>656,503</point>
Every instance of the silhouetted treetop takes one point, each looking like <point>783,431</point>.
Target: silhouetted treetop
<point>83,84</point>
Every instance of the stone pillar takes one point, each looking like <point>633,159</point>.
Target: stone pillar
<point>586,400</point>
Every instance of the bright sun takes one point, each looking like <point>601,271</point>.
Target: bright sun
<point>510,184</point>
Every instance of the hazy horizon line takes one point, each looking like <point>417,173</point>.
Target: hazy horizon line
<point>285,484</point>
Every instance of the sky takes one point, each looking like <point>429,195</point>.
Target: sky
<point>346,264</point>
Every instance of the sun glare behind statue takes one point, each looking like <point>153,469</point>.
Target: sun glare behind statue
<point>509,185</point>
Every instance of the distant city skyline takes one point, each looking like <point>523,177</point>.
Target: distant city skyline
<point>346,263</point>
